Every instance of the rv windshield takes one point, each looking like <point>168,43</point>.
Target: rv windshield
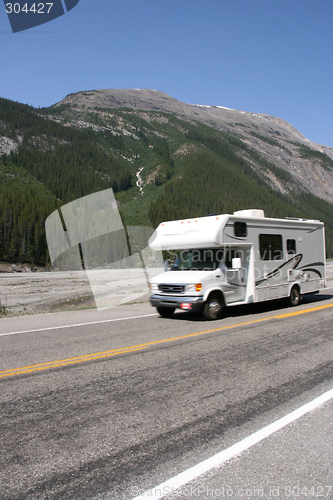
<point>198,259</point>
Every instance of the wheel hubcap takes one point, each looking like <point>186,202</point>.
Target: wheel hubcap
<point>214,307</point>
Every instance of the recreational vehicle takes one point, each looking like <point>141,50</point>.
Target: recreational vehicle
<point>227,260</point>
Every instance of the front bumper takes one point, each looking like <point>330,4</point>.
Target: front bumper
<point>193,303</point>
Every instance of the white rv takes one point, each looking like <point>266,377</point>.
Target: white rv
<point>227,260</point>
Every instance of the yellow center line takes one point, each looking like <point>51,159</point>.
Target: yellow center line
<point>64,362</point>
<point>124,350</point>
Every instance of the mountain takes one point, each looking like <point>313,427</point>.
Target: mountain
<point>274,139</point>
<point>163,158</point>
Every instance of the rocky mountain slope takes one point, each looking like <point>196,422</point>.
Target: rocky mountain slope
<point>278,142</point>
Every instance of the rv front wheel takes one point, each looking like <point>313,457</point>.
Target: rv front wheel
<point>213,307</point>
<point>295,296</point>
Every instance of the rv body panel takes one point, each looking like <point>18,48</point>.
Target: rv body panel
<point>201,232</point>
<point>287,252</point>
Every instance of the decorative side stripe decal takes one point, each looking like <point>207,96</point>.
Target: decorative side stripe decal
<point>297,259</point>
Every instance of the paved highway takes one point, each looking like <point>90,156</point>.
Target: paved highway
<point>110,404</point>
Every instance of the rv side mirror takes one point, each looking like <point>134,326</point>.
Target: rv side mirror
<point>236,263</point>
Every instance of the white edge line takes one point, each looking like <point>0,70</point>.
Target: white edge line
<point>217,460</point>
<point>77,324</point>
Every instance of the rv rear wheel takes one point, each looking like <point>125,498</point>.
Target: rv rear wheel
<point>213,307</point>
<point>165,312</point>
<point>295,296</point>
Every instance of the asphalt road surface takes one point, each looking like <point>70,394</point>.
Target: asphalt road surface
<point>107,405</point>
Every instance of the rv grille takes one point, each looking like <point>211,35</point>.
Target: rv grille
<point>172,288</point>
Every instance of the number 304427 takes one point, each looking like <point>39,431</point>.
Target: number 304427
<point>35,8</point>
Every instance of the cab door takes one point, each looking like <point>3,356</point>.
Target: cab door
<point>236,275</point>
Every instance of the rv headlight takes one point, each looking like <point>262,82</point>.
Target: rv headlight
<point>194,288</point>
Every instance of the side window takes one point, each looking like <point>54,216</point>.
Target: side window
<point>291,246</point>
<point>270,246</point>
<point>229,255</point>
<point>240,229</point>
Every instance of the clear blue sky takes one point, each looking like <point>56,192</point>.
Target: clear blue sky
<point>264,56</point>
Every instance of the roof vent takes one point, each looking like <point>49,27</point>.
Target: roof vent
<point>252,212</point>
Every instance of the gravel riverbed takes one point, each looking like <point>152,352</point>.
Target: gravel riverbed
<point>37,292</point>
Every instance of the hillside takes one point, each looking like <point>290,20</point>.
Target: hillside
<point>275,140</point>
<point>164,159</point>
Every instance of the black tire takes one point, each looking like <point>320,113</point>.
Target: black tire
<point>165,312</point>
<point>295,296</point>
<point>213,307</point>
